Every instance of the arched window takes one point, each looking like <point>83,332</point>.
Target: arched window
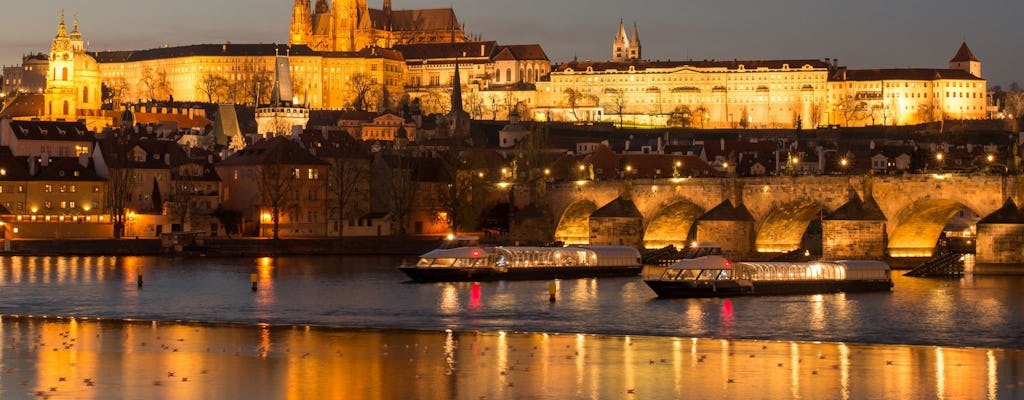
<point>508,75</point>
<point>67,108</point>
<point>85,94</point>
<point>521,74</point>
<point>64,74</point>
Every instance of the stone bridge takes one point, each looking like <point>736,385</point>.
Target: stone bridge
<point>915,208</point>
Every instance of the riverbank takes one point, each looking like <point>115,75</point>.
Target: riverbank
<point>225,247</point>
<point>76,358</point>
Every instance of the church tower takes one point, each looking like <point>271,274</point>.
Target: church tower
<point>77,44</point>
<point>60,87</point>
<point>620,48</point>
<point>302,23</point>
<point>634,48</point>
<point>964,60</point>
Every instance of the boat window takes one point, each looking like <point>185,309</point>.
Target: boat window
<point>443,262</point>
<point>424,262</point>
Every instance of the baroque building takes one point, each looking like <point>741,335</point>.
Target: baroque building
<point>349,25</point>
<point>757,93</point>
<point>72,89</point>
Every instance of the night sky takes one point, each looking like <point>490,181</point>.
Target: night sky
<point>862,34</point>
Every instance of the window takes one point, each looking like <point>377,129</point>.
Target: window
<point>48,188</point>
<point>313,174</point>
<point>47,204</point>
<point>73,188</point>
<point>96,189</point>
<point>63,188</point>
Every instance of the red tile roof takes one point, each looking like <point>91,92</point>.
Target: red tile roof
<point>964,54</point>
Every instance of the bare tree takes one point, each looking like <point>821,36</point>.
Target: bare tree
<point>496,105</point>
<point>185,193</point>
<point>363,91</point>
<point>347,187</point>
<point>212,86</point>
<point>475,103</point>
<point>853,110</point>
<point>119,179</point>
<point>277,184</point>
<point>701,112</point>
<point>439,99</point>
<point>258,85</point>
<point>617,102</point>
<point>402,190</point>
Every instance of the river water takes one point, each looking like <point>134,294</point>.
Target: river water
<point>618,339</point>
<point>979,311</point>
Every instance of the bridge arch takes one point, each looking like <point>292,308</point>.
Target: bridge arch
<point>671,224</point>
<point>919,225</point>
<point>784,226</point>
<point>574,224</point>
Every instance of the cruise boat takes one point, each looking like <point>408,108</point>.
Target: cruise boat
<point>712,275</point>
<point>490,263</point>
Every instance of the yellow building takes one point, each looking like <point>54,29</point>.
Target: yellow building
<point>349,25</point>
<point>243,73</point>
<point>908,96</point>
<point>720,94</point>
<point>761,93</point>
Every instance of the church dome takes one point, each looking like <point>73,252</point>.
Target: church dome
<point>85,62</point>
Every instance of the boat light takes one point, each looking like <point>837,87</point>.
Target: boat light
<point>476,253</point>
<point>726,263</point>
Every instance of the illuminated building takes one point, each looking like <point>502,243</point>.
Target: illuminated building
<point>72,89</point>
<point>496,78</point>
<point>756,93</point>
<point>349,25</point>
<point>243,73</point>
<point>907,96</point>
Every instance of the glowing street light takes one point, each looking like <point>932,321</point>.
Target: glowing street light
<point>990,158</point>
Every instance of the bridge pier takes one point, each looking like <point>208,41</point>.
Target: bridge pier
<point>854,231</point>
<point>730,227</point>
<point>1000,235</point>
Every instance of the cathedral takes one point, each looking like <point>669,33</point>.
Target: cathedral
<point>348,25</point>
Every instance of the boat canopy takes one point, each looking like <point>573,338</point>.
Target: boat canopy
<point>823,270</point>
<point>526,256</point>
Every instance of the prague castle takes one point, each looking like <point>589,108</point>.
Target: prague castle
<point>338,48</point>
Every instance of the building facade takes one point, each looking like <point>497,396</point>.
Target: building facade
<point>349,25</point>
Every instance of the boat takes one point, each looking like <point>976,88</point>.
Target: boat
<point>492,263</point>
<point>710,274</point>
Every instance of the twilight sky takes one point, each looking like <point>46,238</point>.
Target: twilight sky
<point>862,34</point>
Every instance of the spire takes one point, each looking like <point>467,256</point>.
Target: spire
<point>636,36</point>
<point>621,37</point>
<point>457,89</point>
<point>62,30</point>
<point>302,22</point>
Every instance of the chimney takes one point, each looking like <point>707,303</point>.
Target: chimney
<point>482,50</point>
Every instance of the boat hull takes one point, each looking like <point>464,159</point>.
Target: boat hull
<point>728,288</point>
<point>445,274</point>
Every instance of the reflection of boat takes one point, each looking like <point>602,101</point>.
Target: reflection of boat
<point>482,263</point>
<point>712,275</point>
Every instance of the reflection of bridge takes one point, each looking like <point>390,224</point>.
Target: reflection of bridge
<point>915,209</point>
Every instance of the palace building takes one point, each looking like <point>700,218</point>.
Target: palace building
<point>349,25</point>
<point>756,93</point>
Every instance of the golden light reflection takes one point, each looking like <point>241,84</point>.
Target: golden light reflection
<point>794,369</point>
<point>992,381</point>
<point>844,371</point>
<point>265,283</point>
<point>449,299</point>
<point>940,374</point>
<point>817,320</point>
<point>169,360</point>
